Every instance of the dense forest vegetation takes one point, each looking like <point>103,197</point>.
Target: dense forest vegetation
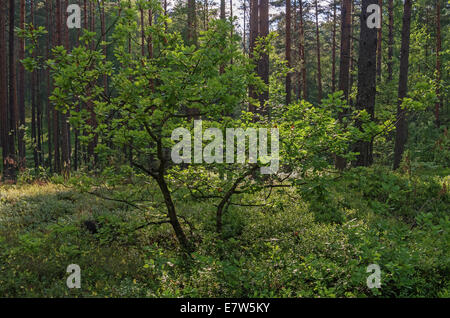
<point>117,122</point>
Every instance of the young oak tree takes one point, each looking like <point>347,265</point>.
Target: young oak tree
<point>185,79</point>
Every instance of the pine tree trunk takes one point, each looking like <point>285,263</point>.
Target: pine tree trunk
<point>222,9</point>
<point>379,41</point>
<point>402,124</point>
<point>103,30</point>
<point>141,11</point>
<point>254,33</point>
<point>440,101</point>
<point>244,35</point>
<point>21,90</point>
<point>333,53</point>
<point>367,64</point>
<point>264,61</point>
<point>319,68</point>
<point>191,30</point>
<point>302,52</point>
<point>391,39</point>
<point>56,117</point>
<point>91,156</point>
<point>48,4</point>
<point>33,102</point>
<point>13,106</point>
<point>7,139</point>
<point>205,14</point>
<point>352,50</point>
<point>288,50</point>
<point>344,67</point>
<point>65,152</point>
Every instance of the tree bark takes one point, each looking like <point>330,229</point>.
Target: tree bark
<point>264,61</point>
<point>440,101</point>
<point>319,68</point>
<point>344,67</point>
<point>366,81</point>
<point>13,106</point>
<point>65,149</point>
<point>103,30</point>
<point>56,117</point>
<point>333,52</point>
<point>391,39</point>
<point>21,91</point>
<point>288,51</point>
<point>191,30</point>
<point>7,139</point>
<point>352,50</point>
<point>379,41</point>
<point>48,5</point>
<point>34,136</point>
<point>402,124</point>
<point>222,9</point>
<point>301,51</point>
<point>254,33</point>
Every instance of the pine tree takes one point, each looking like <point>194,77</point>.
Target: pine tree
<point>402,125</point>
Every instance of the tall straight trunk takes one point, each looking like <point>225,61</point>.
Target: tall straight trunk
<point>205,14</point>
<point>150,44</point>
<point>391,39</point>
<point>141,12</point>
<point>254,33</point>
<point>379,41</point>
<point>33,102</point>
<point>38,115</point>
<point>301,52</point>
<point>345,59</point>
<point>352,50</point>
<point>21,90</point>
<point>319,68</point>
<point>222,17</point>
<point>344,67</point>
<point>440,101</point>
<point>150,39</point>
<point>65,149</point>
<point>264,61</point>
<point>38,103</point>
<point>7,139</point>
<point>288,50</point>
<point>92,17</point>
<point>427,47</point>
<point>333,50</point>
<point>231,19</point>
<point>56,117</point>
<point>244,35</point>
<point>103,30</point>
<point>13,106</point>
<point>92,122</point>
<point>401,135</point>
<point>366,80</point>
<point>85,17</point>
<point>222,9</point>
<point>48,4</point>
<point>191,30</point>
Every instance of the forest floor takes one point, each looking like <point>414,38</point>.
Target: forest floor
<point>304,244</point>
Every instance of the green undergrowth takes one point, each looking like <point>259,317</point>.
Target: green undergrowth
<point>314,242</point>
